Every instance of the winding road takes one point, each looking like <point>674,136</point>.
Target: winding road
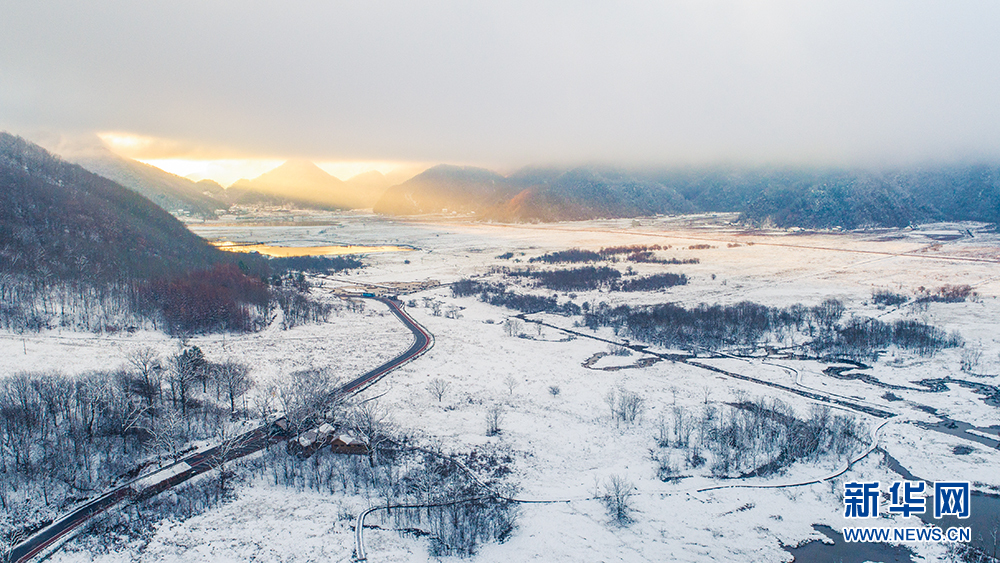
<point>47,539</point>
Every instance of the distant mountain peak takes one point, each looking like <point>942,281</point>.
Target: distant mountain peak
<point>296,171</point>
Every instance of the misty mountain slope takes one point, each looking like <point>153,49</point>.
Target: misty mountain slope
<point>58,220</point>
<point>779,196</point>
<point>970,193</point>
<point>850,200</point>
<point>464,189</point>
<point>303,183</point>
<point>169,191</point>
<point>586,193</point>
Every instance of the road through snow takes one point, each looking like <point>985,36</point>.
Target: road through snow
<point>48,539</point>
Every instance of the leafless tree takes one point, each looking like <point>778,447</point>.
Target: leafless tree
<point>7,544</point>
<point>146,363</point>
<point>494,419</point>
<point>663,432</point>
<point>616,494</point>
<point>972,357</point>
<point>304,395</point>
<point>512,327</point>
<point>168,434</point>
<point>234,379</point>
<point>630,406</point>
<point>511,382</point>
<point>438,388</point>
<point>371,422</point>
<point>611,399</point>
<point>829,312</point>
<point>222,461</point>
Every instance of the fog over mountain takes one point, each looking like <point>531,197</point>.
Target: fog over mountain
<point>59,221</point>
<point>829,83</point>
<point>303,183</point>
<point>784,197</point>
<point>169,191</point>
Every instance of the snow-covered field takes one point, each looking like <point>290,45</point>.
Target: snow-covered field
<point>566,444</point>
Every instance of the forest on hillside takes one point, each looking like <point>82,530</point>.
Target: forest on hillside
<point>80,251</point>
<point>763,196</point>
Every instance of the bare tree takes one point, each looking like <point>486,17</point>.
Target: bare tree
<point>168,434</point>
<point>494,419</point>
<point>438,388</point>
<point>972,357</point>
<point>146,363</point>
<point>511,382</point>
<point>512,327</point>
<point>611,399</point>
<point>663,434</point>
<point>370,421</point>
<point>630,406</point>
<point>305,395</point>
<point>7,544</point>
<point>234,379</point>
<point>554,390</point>
<point>188,367</point>
<point>829,312</point>
<point>230,444</point>
<point>616,494</point>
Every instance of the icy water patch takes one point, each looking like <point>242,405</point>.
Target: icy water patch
<point>287,251</point>
<point>842,552</point>
<point>984,518</point>
<point>984,512</point>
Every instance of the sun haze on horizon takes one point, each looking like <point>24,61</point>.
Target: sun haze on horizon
<point>501,85</point>
<point>199,163</point>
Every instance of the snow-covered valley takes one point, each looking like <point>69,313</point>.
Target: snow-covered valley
<point>558,421</point>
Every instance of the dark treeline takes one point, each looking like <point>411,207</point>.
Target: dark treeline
<point>497,294</point>
<point>745,324</point>
<point>947,294</point>
<point>314,264</point>
<point>79,251</point>
<point>590,278</point>
<point>748,325</point>
<point>69,437</point>
<point>642,254</point>
<point>888,298</point>
<point>862,336</point>
<point>750,439</point>
<point>650,283</point>
<point>220,298</point>
<point>647,257</point>
<point>576,279</point>
<point>568,256</point>
<point>631,249</point>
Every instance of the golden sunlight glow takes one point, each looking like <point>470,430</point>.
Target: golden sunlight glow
<point>348,170</point>
<point>224,171</point>
<point>221,165</point>
<point>126,144</point>
<point>286,251</point>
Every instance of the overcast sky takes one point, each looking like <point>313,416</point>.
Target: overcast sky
<point>509,83</point>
